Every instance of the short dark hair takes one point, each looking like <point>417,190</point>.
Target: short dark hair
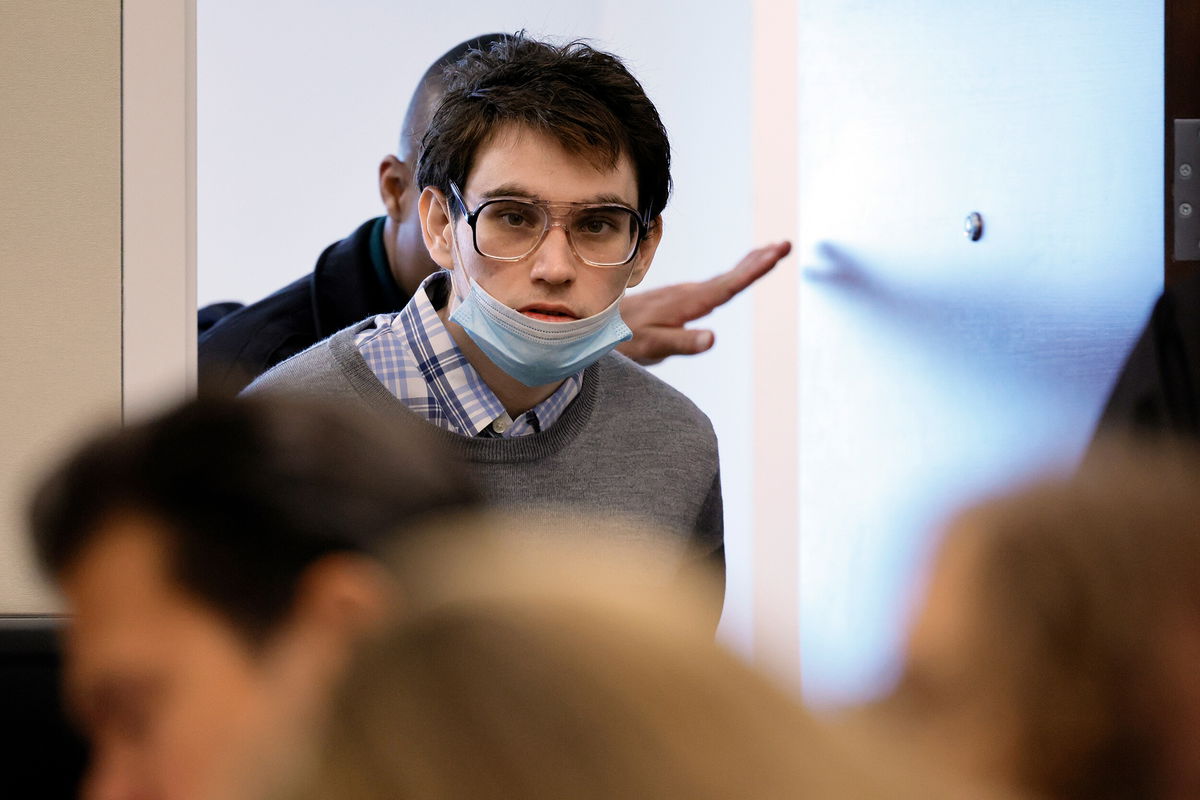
<point>584,98</point>
<point>250,492</point>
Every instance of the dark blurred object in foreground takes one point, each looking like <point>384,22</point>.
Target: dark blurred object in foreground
<point>43,756</point>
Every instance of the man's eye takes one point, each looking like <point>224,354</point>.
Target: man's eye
<point>596,225</point>
<point>514,219</point>
<point>510,215</point>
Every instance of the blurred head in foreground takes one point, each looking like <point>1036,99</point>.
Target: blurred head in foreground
<point>219,563</point>
<point>1058,645</point>
<point>568,675</point>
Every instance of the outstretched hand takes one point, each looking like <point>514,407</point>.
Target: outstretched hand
<point>657,317</point>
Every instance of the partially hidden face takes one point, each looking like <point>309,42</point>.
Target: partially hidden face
<point>177,704</point>
<point>551,283</point>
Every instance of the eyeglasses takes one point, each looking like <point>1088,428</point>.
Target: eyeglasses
<point>508,229</point>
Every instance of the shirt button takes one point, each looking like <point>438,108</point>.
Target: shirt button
<point>500,425</point>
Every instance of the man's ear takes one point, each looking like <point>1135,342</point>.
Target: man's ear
<point>645,254</point>
<point>396,187</point>
<point>343,597</point>
<point>340,601</point>
<point>437,227</point>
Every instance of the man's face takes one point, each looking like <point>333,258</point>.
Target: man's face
<point>175,701</point>
<point>550,284</point>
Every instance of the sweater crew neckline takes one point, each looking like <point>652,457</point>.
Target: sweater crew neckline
<point>474,448</point>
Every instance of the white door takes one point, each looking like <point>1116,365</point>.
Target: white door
<point>933,368</point>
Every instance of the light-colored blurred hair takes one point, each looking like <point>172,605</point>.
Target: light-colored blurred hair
<point>551,672</point>
<point>1085,591</point>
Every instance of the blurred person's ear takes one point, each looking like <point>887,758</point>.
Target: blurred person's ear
<point>340,600</point>
<point>343,597</point>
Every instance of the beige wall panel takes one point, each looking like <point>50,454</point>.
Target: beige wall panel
<point>60,251</point>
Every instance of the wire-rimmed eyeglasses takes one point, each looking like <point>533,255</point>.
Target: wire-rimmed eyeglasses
<point>510,228</point>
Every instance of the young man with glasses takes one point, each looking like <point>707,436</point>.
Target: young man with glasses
<point>378,267</point>
<point>543,176</point>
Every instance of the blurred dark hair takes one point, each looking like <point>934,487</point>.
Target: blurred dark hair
<point>583,98</point>
<point>251,492</point>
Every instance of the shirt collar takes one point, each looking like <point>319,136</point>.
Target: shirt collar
<point>455,385</point>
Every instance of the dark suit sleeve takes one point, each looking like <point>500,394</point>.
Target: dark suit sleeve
<point>226,373</point>
<point>247,342</point>
<point>213,313</point>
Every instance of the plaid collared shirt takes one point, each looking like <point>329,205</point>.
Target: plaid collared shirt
<point>414,356</point>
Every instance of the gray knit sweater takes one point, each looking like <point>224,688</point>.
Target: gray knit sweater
<point>627,446</point>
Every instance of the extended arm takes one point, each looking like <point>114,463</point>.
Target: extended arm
<point>657,317</point>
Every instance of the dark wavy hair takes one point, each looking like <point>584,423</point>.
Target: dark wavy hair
<point>583,98</point>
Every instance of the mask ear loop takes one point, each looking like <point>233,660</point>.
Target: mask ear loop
<point>458,292</point>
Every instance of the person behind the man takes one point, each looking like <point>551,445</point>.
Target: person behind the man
<point>219,564</point>
<point>544,173</point>
<point>377,269</point>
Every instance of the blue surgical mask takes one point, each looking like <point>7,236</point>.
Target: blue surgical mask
<point>533,351</point>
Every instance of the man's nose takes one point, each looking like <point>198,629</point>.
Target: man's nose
<point>554,262</point>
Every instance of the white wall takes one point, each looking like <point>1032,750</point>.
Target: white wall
<point>297,103</point>
<point>933,368</point>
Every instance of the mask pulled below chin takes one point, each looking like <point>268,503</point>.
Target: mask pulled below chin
<point>532,351</point>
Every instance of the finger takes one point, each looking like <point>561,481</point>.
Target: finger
<point>651,345</point>
<point>720,289</point>
<point>681,303</point>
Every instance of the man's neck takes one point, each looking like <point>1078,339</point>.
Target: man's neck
<point>516,397</point>
<point>407,272</point>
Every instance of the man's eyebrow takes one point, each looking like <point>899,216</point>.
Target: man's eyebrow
<point>609,199</point>
<point>516,190</point>
<point>509,190</point>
